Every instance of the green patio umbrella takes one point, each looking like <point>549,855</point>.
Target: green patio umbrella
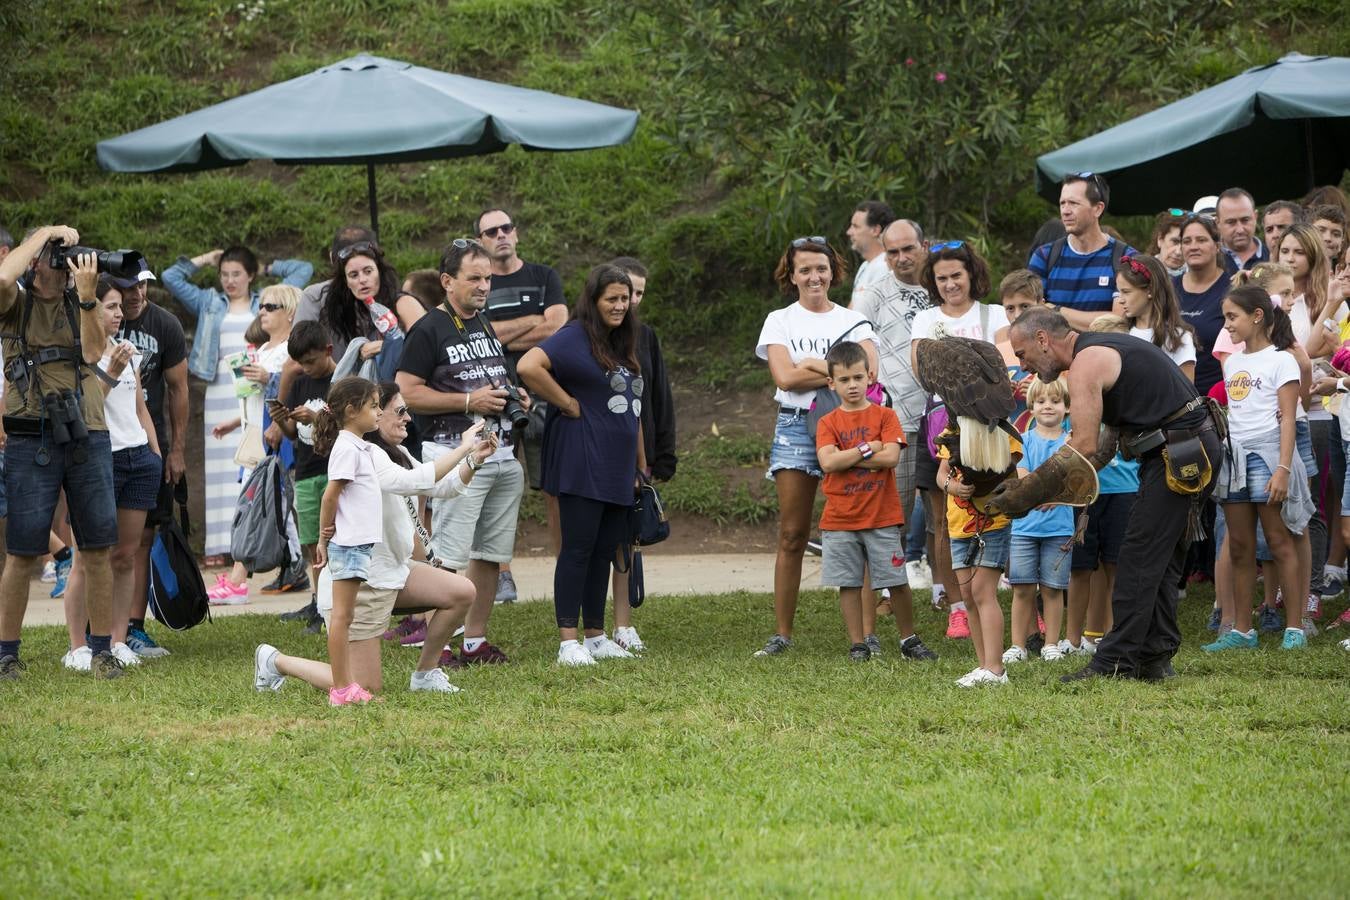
<point>368,110</point>
<point>1276,130</point>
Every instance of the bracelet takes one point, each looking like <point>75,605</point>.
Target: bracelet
<point>473,465</point>
<point>466,404</point>
<point>1286,468</point>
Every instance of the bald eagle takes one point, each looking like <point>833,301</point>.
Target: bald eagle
<point>972,379</point>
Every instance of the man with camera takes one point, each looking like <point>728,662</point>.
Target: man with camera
<point>453,372</point>
<point>56,434</point>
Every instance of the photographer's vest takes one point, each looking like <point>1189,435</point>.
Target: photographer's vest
<point>41,343</point>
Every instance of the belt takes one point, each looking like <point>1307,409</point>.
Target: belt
<point>792,411</point>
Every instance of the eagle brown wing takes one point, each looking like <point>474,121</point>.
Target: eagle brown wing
<point>969,375</point>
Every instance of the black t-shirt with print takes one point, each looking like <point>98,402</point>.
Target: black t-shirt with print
<point>526,292</point>
<point>304,391</point>
<point>158,336</point>
<point>452,363</point>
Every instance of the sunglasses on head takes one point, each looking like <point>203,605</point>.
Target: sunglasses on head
<point>813,239</point>
<point>1137,267</point>
<point>464,243</point>
<point>946,245</point>
<point>1197,217</point>
<point>270,307</point>
<point>504,228</point>
<point>1179,213</point>
<point>359,248</point>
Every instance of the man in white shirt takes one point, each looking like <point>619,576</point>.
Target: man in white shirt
<point>869,219</point>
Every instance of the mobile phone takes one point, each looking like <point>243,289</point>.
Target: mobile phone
<point>274,406</point>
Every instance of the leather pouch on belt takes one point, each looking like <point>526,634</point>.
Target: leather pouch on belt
<point>1186,463</point>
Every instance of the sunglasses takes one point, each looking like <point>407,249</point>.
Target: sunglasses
<point>271,307</point>
<point>946,245</point>
<point>363,248</point>
<point>400,412</point>
<point>1197,217</point>
<point>505,228</point>
<point>1178,212</point>
<point>813,239</point>
<point>465,243</point>
<point>1137,267</point>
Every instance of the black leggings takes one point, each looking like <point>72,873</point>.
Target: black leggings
<point>592,531</point>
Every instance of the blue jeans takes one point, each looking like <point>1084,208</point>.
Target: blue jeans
<point>33,489</point>
<point>988,551</point>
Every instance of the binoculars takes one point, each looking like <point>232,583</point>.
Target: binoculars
<point>63,411</point>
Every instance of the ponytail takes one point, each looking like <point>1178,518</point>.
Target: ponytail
<point>342,396</point>
<point>1250,298</point>
<point>1281,328</point>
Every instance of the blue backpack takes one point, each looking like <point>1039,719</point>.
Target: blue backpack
<point>177,596</point>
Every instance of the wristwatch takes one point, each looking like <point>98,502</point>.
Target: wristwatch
<point>865,448</point>
<point>88,307</point>
<point>473,464</point>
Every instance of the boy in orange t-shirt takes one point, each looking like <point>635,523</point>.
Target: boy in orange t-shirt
<point>858,444</point>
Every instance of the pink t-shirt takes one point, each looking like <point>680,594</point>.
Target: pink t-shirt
<point>359,514</point>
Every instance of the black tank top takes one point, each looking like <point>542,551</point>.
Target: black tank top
<point>1150,388</point>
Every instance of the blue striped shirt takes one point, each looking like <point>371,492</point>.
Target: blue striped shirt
<point>1080,282</point>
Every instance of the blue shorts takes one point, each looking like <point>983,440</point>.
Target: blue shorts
<point>988,551</point>
<point>1258,476</point>
<point>4,504</point>
<point>33,491</point>
<point>1303,444</point>
<point>1108,518</point>
<point>346,563</point>
<point>137,475</point>
<point>1040,560</point>
<point>793,447</point>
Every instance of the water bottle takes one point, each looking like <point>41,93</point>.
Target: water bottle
<point>383,317</point>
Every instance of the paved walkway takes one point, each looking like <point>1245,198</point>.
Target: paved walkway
<point>665,574</point>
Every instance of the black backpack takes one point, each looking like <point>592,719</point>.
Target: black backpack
<point>1057,250</point>
<point>177,593</point>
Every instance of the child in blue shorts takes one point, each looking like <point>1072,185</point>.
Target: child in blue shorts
<point>1042,540</point>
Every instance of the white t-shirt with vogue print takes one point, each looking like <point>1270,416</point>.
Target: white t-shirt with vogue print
<point>808,335</point>
<point>1253,382</point>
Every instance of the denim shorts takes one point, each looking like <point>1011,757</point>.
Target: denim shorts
<point>1303,444</point>
<point>1258,476</point>
<point>137,476</point>
<point>987,551</point>
<point>793,446</point>
<point>1108,518</point>
<point>349,562</point>
<point>1040,560</point>
<point>845,555</point>
<point>1263,553</point>
<point>33,490</point>
<point>4,504</point>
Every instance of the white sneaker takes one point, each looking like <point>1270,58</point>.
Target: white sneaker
<point>572,653</point>
<point>432,680</point>
<point>1052,652</point>
<point>981,676</point>
<point>1014,654</point>
<point>1068,649</point>
<point>78,660</point>
<point>1345,644</point>
<point>918,575</point>
<point>1088,647</point>
<point>125,655</point>
<point>265,674</point>
<point>628,639</point>
<point>601,647</point>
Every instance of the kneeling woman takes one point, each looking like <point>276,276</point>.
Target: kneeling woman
<point>396,575</point>
<point>589,374</point>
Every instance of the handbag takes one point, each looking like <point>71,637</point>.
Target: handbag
<point>648,523</point>
<point>250,451</point>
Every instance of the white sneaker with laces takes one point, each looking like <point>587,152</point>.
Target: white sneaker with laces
<point>1067,649</point>
<point>1088,647</point>
<point>1014,654</point>
<point>78,660</point>
<point>572,653</point>
<point>982,676</point>
<point>125,655</point>
<point>970,678</point>
<point>432,680</point>
<point>628,639</point>
<point>601,647</point>
<point>918,577</point>
<point>1052,652</point>
<point>265,674</point>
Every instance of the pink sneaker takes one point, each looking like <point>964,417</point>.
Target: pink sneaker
<point>226,592</point>
<point>417,637</point>
<point>404,628</point>
<point>958,626</point>
<point>352,693</point>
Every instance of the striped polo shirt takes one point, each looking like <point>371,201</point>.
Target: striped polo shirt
<point>1080,282</point>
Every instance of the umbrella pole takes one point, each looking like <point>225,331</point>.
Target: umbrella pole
<point>1308,149</point>
<point>370,193</point>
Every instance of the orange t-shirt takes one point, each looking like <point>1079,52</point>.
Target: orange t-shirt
<point>858,498</point>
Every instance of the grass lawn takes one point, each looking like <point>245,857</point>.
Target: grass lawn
<point>696,771</point>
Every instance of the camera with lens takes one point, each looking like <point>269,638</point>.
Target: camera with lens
<point>514,410</point>
<point>63,410</point>
<point>117,263</point>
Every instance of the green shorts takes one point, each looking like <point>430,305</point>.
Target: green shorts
<point>308,496</point>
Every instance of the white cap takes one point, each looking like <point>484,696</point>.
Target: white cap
<point>1206,204</point>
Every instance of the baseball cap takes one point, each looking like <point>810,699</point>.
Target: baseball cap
<point>143,275</point>
<point>1206,204</point>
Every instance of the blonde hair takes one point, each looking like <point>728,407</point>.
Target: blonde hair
<point>1263,275</point>
<point>1110,322</point>
<point>286,296</point>
<point>1022,281</point>
<point>1054,390</point>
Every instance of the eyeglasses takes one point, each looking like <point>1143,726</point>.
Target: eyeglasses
<point>465,243</point>
<point>362,248</point>
<point>270,307</point>
<point>946,245</point>
<point>1137,267</point>
<point>401,412</point>
<point>813,239</point>
<point>504,228</point>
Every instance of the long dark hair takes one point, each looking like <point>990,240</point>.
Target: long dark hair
<point>344,314</point>
<point>388,391</point>
<point>352,391</point>
<point>611,347</point>
<point>1147,272</point>
<point>1249,298</point>
<point>977,270</point>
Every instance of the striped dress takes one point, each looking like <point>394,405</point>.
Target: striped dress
<point>222,474</point>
